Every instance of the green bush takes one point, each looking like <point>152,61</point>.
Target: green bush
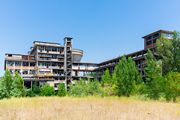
<point>85,88</point>
<point>94,88</point>
<point>47,90</point>
<point>61,89</point>
<point>154,89</point>
<point>172,86</point>
<point>30,93</point>
<point>36,89</point>
<point>139,89</point>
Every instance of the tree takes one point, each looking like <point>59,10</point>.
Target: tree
<point>164,50</point>
<point>61,89</point>
<point>172,86</point>
<point>106,78</point>
<point>168,51</point>
<point>108,84</point>
<point>47,90</point>
<point>6,85</point>
<point>154,79</point>
<point>126,76</point>
<point>176,51</point>
<point>18,89</point>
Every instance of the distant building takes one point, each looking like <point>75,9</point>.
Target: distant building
<point>53,63</point>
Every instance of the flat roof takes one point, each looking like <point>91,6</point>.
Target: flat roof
<point>159,31</point>
<point>119,57</point>
<point>88,63</point>
<point>46,42</point>
<point>18,54</point>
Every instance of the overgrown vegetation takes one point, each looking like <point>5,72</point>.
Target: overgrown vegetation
<point>126,77</point>
<point>85,88</point>
<point>47,90</point>
<point>11,85</point>
<point>61,89</point>
<point>162,78</point>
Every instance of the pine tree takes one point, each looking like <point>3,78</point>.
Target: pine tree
<point>106,78</point>
<point>126,76</point>
<point>154,79</point>
<point>108,84</point>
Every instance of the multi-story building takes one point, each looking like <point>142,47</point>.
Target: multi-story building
<point>53,63</point>
<point>50,63</point>
<point>139,56</point>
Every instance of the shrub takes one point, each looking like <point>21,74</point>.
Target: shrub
<point>154,89</point>
<point>172,86</point>
<point>30,93</point>
<point>85,88</point>
<point>61,89</point>
<point>36,89</point>
<point>94,88</point>
<point>47,90</point>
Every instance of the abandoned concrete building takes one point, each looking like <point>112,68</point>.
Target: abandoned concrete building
<point>54,63</point>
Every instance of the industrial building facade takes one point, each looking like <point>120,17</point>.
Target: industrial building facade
<point>54,63</point>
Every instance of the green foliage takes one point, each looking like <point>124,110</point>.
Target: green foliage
<point>30,93</point>
<point>154,79</point>
<point>106,78</point>
<point>168,51</point>
<point>18,89</point>
<point>6,85</point>
<point>153,67</point>
<point>172,86</point>
<point>108,84</point>
<point>85,88</point>
<point>61,89</point>
<point>36,89</point>
<point>47,90</point>
<point>164,50</point>
<point>176,52</point>
<point>126,77</point>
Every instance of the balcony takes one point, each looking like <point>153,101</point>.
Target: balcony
<point>83,68</point>
<point>19,57</point>
<point>21,67</point>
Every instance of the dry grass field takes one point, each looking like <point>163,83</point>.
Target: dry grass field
<point>89,108</point>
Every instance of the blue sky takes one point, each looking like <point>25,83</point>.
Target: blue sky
<point>102,28</point>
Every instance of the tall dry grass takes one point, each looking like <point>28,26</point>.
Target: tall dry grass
<point>89,108</point>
